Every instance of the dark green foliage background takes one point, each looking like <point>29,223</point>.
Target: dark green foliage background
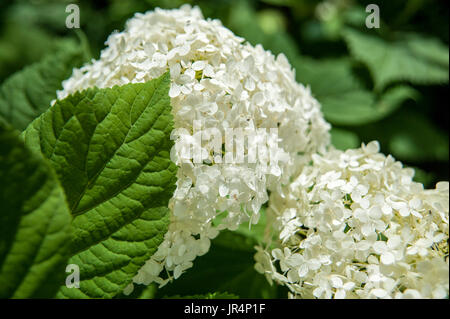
<point>415,131</point>
<point>408,115</point>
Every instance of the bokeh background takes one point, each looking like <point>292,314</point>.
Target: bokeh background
<point>388,84</point>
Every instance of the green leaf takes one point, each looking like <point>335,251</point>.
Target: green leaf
<point>344,139</point>
<point>361,107</point>
<point>393,98</point>
<point>409,137</point>
<point>34,223</point>
<point>431,49</point>
<point>351,108</point>
<point>110,149</point>
<point>415,138</point>
<point>213,295</point>
<point>229,266</point>
<point>28,93</point>
<point>344,100</point>
<point>328,78</point>
<point>412,58</point>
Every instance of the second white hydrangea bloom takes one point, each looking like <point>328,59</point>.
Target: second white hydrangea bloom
<point>354,224</point>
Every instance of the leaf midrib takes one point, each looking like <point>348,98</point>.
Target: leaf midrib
<point>97,174</point>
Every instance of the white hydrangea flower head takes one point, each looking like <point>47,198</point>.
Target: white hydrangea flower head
<point>218,78</point>
<point>354,224</point>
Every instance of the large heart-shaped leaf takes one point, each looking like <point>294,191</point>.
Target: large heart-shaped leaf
<point>110,149</point>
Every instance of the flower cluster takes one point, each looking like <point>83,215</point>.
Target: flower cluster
<point>354,224</point>
<point>219,79</point>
